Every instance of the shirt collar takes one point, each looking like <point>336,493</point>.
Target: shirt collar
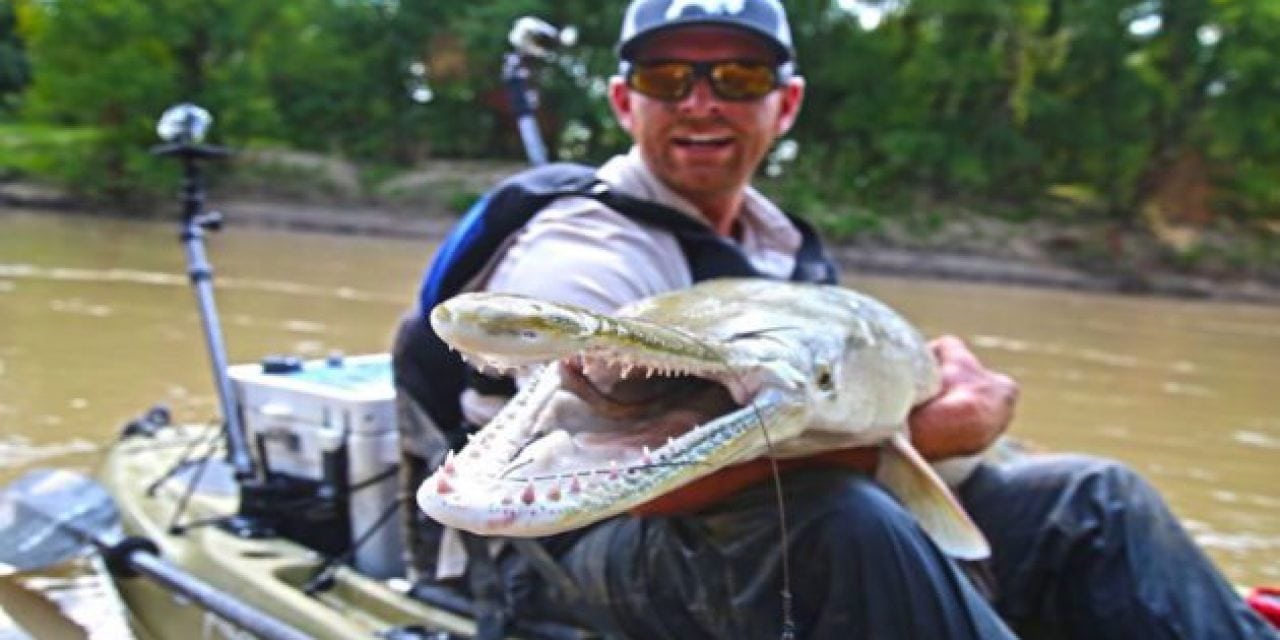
<point>629,174</point>
<point>767,235</point>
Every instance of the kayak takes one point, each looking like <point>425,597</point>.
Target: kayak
<point>269,571</point>
<point>313,538</point>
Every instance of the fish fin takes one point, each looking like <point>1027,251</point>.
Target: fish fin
<point>905,473</point>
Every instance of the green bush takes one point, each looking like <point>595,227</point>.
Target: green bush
<point>966,100</point>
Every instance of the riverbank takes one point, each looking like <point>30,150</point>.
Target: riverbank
<point>1001,253</point>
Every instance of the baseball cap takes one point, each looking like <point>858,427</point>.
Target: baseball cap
<point>765,18</point>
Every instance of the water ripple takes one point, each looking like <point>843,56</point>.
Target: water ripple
<point>304,326</point>
<point>1109,358</point>
<point>1182,389</point>
<point>1239,542</point>
<point>1239,328</point>
<point>77,306</point>
<point>20,451</point>
<point>154,278</point>
<point>1255,439</point>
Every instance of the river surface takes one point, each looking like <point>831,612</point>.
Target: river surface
<point>97,323</point>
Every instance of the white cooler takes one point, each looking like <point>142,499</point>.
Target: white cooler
<point>300,413</point>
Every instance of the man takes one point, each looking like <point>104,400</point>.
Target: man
<point>1082,547</point>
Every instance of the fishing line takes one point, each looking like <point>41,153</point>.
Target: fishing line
<point>788,621</point>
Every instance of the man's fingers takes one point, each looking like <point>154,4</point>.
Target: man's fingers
<point>974,406</point>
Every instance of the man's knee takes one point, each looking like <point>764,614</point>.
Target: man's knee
<point>1068,498</point>
<point>867,511</point>
<point>863,523</point>
<point>1055,473</point>
<point>871,571</point>
<point>1106,483</point>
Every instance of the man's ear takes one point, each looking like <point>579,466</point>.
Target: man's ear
<point>620,100</point>
<point>792,98</point>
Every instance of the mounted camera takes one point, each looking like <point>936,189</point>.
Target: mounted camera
<point>533,41</point>
<point>535,38</point>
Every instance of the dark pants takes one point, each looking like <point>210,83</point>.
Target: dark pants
<point>1083,548</point>
<point>860,568</point>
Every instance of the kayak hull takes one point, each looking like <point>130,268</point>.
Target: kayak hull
<point>267,573</point>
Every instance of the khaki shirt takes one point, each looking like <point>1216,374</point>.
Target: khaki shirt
<point>581,252</point>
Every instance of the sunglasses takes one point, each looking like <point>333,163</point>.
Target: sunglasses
<point>673,80</point>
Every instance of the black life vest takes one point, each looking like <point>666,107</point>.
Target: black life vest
<point>436,376</point>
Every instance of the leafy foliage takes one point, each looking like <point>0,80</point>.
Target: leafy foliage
<point>14,73</point>
<point>1013,102</point>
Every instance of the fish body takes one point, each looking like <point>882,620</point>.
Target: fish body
<point>629,406</point>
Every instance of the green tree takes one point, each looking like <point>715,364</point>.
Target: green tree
<point>934,96</point>
<point>955,99</point>
<point>1237,127</point>
<point>115,65</point>
<point>14,73</point>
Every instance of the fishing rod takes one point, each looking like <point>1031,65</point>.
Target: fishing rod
<point>533,42</point>
<point>183,128</point>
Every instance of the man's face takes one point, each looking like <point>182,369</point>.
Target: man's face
<point>703,146</point>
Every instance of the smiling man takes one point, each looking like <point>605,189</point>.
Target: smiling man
<point>704,140</point>
<point>703,104</point>
<point>704,89</point>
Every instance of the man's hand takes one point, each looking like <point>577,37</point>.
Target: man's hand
<point>973,408</point>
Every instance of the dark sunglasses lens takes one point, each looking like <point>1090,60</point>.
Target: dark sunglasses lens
<point>664,81</point>
<point>742,81</point>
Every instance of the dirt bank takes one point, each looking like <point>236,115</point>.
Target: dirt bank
<point>1005,260</point>
<point>965,264</point>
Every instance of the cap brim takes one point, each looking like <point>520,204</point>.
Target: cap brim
<point>628,50</point>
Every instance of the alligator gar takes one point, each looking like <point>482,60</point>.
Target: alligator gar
<point>629,406</point>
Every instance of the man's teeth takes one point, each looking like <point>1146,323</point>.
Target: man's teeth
<point>705,139</point>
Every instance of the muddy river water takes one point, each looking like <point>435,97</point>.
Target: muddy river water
<point>97,323</point>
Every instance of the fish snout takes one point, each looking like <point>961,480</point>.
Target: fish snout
<point>509,330</point>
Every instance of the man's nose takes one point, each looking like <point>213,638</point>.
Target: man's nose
<point>701,99</point>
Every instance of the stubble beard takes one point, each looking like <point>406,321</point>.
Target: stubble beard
<point>704,180</point>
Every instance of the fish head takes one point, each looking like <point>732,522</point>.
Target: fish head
<point>851,367</point>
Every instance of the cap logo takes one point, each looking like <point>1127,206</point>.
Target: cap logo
<point>709,7</point>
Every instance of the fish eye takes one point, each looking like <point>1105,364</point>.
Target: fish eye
<point>824,379</point>
<point>529,334</point>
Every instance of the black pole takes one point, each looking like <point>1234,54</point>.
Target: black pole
<point>232,609</point>
<point>195,222</point>
<point>523,98</point>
